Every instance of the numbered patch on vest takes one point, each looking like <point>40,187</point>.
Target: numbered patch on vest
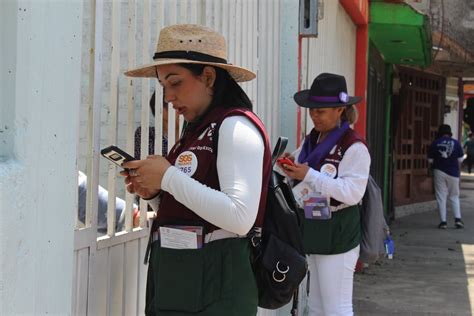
<point>187,162</point>
<point>329,170</point>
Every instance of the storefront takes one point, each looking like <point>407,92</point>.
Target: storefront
<point>399,35</point>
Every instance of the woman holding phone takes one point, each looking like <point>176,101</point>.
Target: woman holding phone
<point>211,183</point>
<point>332,168</point>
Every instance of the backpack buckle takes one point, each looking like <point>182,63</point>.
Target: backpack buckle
<point>255,236</point>
<point>255,240</point>
<point>282,272</point>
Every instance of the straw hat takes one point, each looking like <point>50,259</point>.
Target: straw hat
<point>193,44</point>
<point>327,91</point>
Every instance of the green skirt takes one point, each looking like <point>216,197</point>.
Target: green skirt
<point>215,280</point>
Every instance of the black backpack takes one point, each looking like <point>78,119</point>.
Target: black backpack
<point>278,259</point>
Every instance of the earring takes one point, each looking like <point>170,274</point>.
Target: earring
<point>210,91</point>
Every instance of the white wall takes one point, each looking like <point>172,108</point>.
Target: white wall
<point>452,118</point>
<point>332,51</point>
<point>452,100</point>
<point>40,72</point>
<point>289,15</point>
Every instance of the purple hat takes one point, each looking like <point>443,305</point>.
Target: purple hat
<point>327,91</point>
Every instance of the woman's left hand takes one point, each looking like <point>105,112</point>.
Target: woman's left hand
<point>297,172</point>
<point>149,172</point>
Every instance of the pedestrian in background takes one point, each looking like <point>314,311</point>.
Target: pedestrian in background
<point>446,155</point>
<point>334,163</point>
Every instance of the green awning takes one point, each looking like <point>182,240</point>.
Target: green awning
<point>401,34</point>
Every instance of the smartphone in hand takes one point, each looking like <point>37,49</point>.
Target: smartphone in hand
<point>285,161</point>
<point>116,155</point>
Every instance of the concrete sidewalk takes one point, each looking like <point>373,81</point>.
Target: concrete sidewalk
<point>432,272</point>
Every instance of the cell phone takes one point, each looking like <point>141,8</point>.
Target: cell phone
<point>116,155</point>
<point>286,161</point>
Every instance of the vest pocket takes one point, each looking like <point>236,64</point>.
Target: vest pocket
<point>179,279</point>
<point>317,236</point>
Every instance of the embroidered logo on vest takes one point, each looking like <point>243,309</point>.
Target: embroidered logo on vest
<point>208,131</point>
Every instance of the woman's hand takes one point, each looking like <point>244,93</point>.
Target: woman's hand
<point>135,188</point>
<point>297,172</point>
<point>282,161</point>
<point>144,177</point>
<point>289,156</point>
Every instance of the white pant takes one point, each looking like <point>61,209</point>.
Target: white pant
<point>331,282</point>
<point>446,188</point>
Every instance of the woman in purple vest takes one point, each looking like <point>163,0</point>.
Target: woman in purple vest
<point>208,190</point>
<point>333,165</point>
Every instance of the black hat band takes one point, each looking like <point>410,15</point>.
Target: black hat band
<point>189,55</point>
<point>342,97</point>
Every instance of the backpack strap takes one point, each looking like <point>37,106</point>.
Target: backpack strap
<point>279,148</point>
<point>255,233</point>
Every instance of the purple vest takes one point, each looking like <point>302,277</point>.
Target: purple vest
<point>330,164</point>
<point>196,155</point>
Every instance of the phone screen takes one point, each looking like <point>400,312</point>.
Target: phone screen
<point>116,155</point>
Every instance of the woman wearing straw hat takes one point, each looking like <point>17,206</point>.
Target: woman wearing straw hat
<point>199,261</point>
<point>334,164</point>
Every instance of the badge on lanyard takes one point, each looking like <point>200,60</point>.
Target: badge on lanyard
<point>317,207</point>
<point>187,163</point>
<point>301,193</point>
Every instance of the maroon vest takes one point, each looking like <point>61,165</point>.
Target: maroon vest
<point>330,164</point>
<point>196,154</point>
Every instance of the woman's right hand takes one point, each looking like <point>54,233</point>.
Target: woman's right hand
<point>135,188</point>
<point>288,156</point>
<point>296,171</point>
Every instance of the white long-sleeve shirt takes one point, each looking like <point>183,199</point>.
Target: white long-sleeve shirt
<point>239,166</point>
<point>353,173</point>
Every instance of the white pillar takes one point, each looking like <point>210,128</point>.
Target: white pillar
<point>39,104</point>
<point>289,17</point>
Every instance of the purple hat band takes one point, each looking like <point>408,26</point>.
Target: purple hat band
<point>343,97</point>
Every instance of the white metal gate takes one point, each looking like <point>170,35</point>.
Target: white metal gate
<point>109,276</point>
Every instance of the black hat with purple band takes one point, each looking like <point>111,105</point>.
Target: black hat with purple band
<point>327,91</point>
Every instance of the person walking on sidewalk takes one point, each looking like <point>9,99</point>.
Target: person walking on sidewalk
<point>334,164</point>
<point>212,182</point>
<point>469,147</point>
<point>446,155</point>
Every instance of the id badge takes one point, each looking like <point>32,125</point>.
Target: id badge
<point>317,207</point>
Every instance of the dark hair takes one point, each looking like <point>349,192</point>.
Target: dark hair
<point>444,129</point>
<point>227,92</point>
<point>152,103</point>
